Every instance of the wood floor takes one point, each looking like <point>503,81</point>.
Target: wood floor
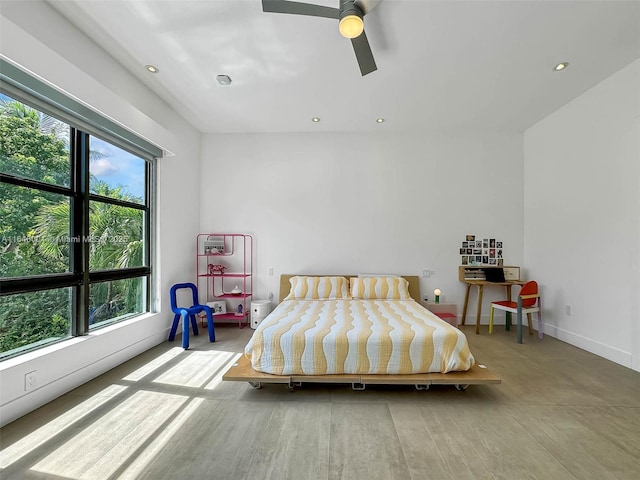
<point>560,413</point>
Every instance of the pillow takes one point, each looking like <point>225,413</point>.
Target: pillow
<point>381,288</point>
<point>318,288</point>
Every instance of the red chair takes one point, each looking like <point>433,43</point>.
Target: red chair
<point>528,302</point>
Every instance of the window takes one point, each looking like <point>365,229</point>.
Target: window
<point>74,227</point>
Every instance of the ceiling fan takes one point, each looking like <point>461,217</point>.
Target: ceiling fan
<point>351,25</point>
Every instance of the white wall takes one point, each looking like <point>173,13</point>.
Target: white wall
<point>358,203</point>
<point>36,38</point>
<point>582,217</point>
<point>354,203</point>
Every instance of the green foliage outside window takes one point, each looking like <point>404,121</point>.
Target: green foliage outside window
<point>35,233</point>
<point>28,152</point>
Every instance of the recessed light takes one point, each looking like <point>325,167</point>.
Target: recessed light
<point>315,119</point>
<point>224,79</point>
<point>152,69</point>
<point>380,120</point>
<point>561,66</point>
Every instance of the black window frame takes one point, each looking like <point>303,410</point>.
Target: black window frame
<point>30,91</point>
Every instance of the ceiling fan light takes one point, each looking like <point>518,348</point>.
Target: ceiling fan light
<point>351,26</point>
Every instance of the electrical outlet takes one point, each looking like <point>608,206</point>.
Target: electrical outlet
<point>426,273</point>
<point>29,381</point>
<point>270,296</point>
<point>270,271</point>
<point>568,310</point>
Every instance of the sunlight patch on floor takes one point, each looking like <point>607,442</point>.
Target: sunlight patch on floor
<point>145,457</point>
<point>223,367</point>
<point>35,439</point>
<point>154,364</point>
<point>103,447</point>
<point>196,369</point>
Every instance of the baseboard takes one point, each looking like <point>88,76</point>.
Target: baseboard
<point>592,346</point>
<point>597,348</point>
<point>25,403</point>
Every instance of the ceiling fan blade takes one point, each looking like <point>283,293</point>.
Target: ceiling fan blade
<point>298,8</point>
<point>364,54</point>
<point>367,5</point>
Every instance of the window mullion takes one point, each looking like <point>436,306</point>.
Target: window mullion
<point>80,228</point>
<point>147,224</point>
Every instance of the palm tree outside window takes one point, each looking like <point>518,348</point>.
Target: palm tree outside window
<point>74,230</point>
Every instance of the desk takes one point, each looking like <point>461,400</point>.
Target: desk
<point>480,284</point>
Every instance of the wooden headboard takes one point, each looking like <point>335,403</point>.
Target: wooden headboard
<point>414,284</point>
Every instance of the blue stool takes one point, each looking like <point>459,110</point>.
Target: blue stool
<point>189,313</point>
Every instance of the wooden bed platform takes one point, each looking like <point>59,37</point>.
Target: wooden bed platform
<point>241,371</point>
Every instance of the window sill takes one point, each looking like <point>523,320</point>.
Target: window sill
<point>64,344</point>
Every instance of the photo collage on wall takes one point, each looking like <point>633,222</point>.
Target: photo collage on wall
<point>486,251</point>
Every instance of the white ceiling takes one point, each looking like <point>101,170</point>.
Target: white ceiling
<point>442,65</point>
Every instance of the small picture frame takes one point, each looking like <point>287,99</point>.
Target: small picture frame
<point>218,308</point>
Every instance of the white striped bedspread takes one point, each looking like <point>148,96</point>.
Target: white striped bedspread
<point>324,337</point>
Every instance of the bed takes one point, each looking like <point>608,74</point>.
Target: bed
<point>358,330</point>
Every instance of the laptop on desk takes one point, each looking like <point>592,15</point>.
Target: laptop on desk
<point>495,275</point>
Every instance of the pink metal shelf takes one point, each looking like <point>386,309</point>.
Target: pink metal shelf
<point>231,316</point>
<point>235,252</point>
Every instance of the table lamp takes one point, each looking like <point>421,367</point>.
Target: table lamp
<point>437,293</point>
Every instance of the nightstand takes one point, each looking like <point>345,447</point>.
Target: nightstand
<point>446,311</point>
